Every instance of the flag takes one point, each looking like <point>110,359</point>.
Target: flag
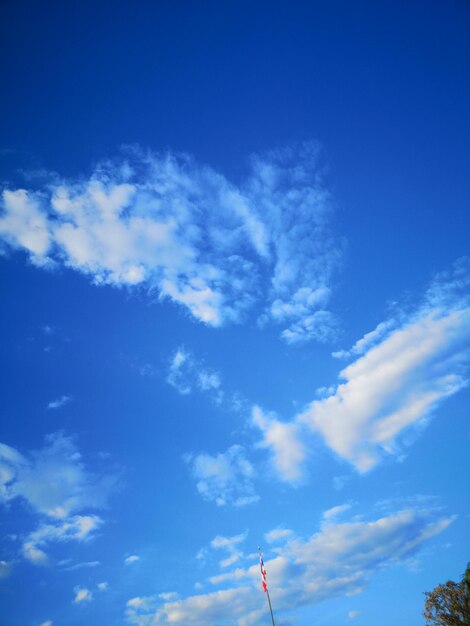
<point>263,573</point>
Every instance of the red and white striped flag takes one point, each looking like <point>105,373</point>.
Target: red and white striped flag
<point>263,572</point>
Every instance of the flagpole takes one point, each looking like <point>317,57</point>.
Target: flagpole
<point>270,607</point>
<point>265,587</point>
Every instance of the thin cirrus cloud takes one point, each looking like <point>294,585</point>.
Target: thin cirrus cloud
<point>231,546</point>
<point>404,369</point>
<point>339,559</point>
<point>56,485</point>
<point>133,558</point>
<point>336,511</point>
<point>169,225</point>
<point>84,565</point>
<point>76,528</point>
<point>59,402</point>
<point>225,478</point>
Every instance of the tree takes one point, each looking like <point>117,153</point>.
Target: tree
<point>449,604</point>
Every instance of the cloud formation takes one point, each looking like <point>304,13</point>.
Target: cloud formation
<point>133,558</point>
<point>337,560</point>
<point>180,229</point>
<point>225,478</point>
<point>82,594</point>
<point>59,402</point>
<point>55,484</point>
<point>52,480</point>
<point>284,441</point>
<point>230,545</point>
<point>186,373</point>
<point>404,372</point>
<point>76,528</point>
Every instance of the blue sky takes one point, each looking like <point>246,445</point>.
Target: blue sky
<point>235,284</point>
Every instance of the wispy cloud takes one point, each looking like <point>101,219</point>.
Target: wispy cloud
<point>230,545</point>
<point>5,569</point>
<point>370,339</point>
<point>404,372</point>
<point>59,402</point>
<point>407,366</point>
<point>336,511</point>
<point>133,558</point>
<point>186,373</point>
<point>85,565</point>
<point>55,484</point>
<point>82,594</point>
<point>283,439</point>
<point>76,528</point>
<point>278,535</point>
<point>337,560</point>
<point>53,480</point>
<point>167,224</point>
<point>225,478</point>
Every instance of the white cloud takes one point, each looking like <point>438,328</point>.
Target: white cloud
<point>336,511</point>
<point>353,614</point>
<point>168,595</point>
<point>76,528</point>
<point>139,610</point>
<point>82,594</point>
<point>46,623</point>
<point>288,192</point>
<point>133,558</point>
<point>54,482</point>
<point>186,373</point>
<point>164,223</point>
<point>59,402</point>
<point>337,560</point>
<point>228,543</point>
<point>181,371</point>
<point>84,565</point>
<point>25,225</point>
<point>138,602</point>
<point>392,387</point>
<point>404,373</point>
<point>365,343</point>
<point>208,380</point>
<point>103,586</point>
<point>321,326</point>
<point>231,545</point>
<point>278,534</point>
<point>284,441</point>
<point>225,478</point>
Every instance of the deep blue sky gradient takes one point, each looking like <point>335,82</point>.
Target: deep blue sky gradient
<point>384,88</point>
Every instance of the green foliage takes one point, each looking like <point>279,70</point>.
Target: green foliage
<point>449,604</point>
